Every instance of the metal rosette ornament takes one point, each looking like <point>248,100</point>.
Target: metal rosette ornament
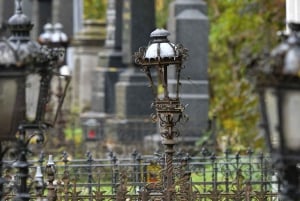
<point>166,59</point>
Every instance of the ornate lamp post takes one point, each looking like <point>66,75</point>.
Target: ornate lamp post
<point>54,37</point>
<point>278,85</point>
<point>26,71</point>
<point>166,58</point>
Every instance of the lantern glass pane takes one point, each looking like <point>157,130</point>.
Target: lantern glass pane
<point>291,108</point>
<point>272,115</point>
<point>53,101</point>
<point>174,82</point>
<point>55,107</point>
<point>8,95</point>
<point>32,95</point>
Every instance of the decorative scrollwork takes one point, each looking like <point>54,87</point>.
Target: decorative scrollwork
<point>139,56</point>
<point>182,51</point>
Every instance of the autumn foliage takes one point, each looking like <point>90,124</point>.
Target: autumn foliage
<point>239,30</point>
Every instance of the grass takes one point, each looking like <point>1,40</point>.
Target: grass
<point>75,134</point>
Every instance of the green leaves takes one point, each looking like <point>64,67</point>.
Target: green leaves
<point>239,27</point>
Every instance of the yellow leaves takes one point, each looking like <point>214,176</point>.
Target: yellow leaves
<point>238,27</point>
<point>160,89</point>
<point>159,5</point>
<point>162,11</point>
<point>94,9</point>
<point>153,172</point>
<point>230,124</point>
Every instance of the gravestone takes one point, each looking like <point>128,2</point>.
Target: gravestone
<point>177,7</point>
<point>111,56</point>
<point>40,11</point>
<point>133,97</point>
<point>62,12</point>
<point>78,15</point>
<point>6,10</point>
<point>52,11</point>
<point>187,18</point>
<point>85,47</point>
<point>106,72</point>
<point>110,62</point>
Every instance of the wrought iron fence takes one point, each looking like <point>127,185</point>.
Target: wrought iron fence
<point>248,176</point>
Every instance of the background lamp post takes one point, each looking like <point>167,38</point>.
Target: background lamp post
<point>164,57</point>
<point>26,71</point>
<point>278,85</point>
<point>54,37</point>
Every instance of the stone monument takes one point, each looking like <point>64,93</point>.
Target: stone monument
<point>188,17</point>
<point>62,12</point>
<point>6,8</point>
<point>85,47</point>
<point>110,62</point>
<point>133,100</point>
<point>105,75</point>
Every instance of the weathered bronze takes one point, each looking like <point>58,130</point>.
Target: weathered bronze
<point>207,176</point>
<point>26,72</point>
<point>162,55</point>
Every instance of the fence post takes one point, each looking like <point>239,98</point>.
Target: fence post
<point>39,183</point>
<point>90,175</point>
<point>140,172</point>
<point>185,187</point>
<point>50,170</point>
<point>66,176</point>
<point>250,153</point>
<point>136,157</point>
<point>227,171</point>
<point>214,175</point>
<point>205,153</point>
<point>115,172</point>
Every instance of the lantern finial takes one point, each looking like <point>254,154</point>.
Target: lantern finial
<point>18,7</point>
<point>159,36</point>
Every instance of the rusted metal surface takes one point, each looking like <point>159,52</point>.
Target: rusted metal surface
<point>205,177</point>
<point>160,55</point>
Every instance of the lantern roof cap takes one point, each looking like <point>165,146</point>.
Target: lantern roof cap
<point>19,50</point>
<point>159,33</point>
<point>19,23</point>
<point>45,37</point>
<point>58,35</point>
<point>160,47</point>
<point>160,50</point>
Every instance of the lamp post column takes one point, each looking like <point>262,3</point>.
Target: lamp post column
<point>169,143</point>
<point>168,115</point>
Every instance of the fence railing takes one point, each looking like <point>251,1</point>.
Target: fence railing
<point>248,176</point>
